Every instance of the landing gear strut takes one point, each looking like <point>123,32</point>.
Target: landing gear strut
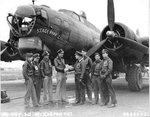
<point>134,77</point>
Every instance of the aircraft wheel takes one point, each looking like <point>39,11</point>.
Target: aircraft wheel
<point>134,78</point>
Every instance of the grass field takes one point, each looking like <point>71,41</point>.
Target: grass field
<point>8,74</point>
<point>11,74</point>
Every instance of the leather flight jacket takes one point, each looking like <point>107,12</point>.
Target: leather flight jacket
<point>96,68</point>
<point>27,70</point>
<point>59,64</point>
<point>37,70</point>
<point>107,67</point>
<point>80,67</point>
<point>46,67</point>
<point>88,62</point>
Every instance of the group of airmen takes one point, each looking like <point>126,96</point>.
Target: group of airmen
<point>90,77</point>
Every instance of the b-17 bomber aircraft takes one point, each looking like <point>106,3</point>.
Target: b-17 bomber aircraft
<point>36,28</point>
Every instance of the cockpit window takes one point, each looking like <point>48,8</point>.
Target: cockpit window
<point>70,13</point>
<point>44,14</point>
<point>75,16</point>
<point>82,19</point>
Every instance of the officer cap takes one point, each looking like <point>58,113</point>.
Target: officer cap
<point>45,53</point>
<point>36,55</point>
<point>104,51</point>
<point>78,53</point>
<point>60,51</point>
<point>97,54</point>
<point>29,55</point>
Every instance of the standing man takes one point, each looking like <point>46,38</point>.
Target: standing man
<point>79,68</point>
<point>28,76</point>
<point>61,77</point>
<point>46,72</point>
<point>37,75</point>
<point>87,79</point>
<point>108,91</point>
<point>95,74</point>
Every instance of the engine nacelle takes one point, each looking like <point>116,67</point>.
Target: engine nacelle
<point>120,30</point>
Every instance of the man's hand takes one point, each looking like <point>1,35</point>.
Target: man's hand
<point>81,81</point>
<point>66,69</point>
<point>102,76</point>
<point>25,81</point>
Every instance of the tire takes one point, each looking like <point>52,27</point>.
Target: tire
<point>134,78</point>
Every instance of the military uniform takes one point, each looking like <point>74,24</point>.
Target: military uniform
<point>86,78</point>
<point>108,91</point>
<point>37,78</point>
<point>79,68</point>
<point>95,72</point>
<point>28,76</point>
<point>61,78</point>
<point>46,72</point>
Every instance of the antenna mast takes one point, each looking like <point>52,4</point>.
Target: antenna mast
<point>33,1</point>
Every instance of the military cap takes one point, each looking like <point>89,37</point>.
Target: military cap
<point>36,55</point>
<point>60,51</point>
<point>29,55</point>
<point>104,51</point>
<point>45,53</point>
<point>84,50</point>
<point>78,53</point>
<point>97,54</point>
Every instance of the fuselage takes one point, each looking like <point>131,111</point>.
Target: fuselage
<point>52,30</point>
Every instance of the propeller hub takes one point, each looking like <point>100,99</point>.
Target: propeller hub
<point>110,33</point>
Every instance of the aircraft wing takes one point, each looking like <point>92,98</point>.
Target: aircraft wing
<point>131,47</point>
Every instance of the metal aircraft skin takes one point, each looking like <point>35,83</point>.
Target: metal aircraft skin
<point>41,28</point>
<point>37,28</point>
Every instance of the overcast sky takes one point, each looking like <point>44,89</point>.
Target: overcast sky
<point>133,13</point>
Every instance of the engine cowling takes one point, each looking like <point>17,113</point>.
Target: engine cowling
<point>120,30</point>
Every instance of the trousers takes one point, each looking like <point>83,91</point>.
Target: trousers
<point>38,86</point>
<point>97,88</point>
<point>79,89</point>
<point>61,86</point>
<point>108,90</point>
<point>30,93</point>
<point>88,85</point>
<point>48,89</point>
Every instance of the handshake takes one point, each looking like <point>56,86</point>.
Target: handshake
<point>69,69</point>
<point>66,69</point>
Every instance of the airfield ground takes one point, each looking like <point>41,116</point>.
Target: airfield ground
<point>130,104</point>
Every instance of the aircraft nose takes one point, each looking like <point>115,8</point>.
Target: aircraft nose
<point>25,11</point>
<point>23,21</point>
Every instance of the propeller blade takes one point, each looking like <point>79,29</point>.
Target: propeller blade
<point>110,14</point>
<point>95,48</point>
<point>3,51</point>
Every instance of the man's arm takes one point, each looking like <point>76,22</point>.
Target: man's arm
<point>24,72</point>
<point>110,67</point>
<point>83,67</point>
<point>90,62</point>
<point>51,67</point>
<point>42,69</point>
<point>92,68</point>
<point>57,66</point>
